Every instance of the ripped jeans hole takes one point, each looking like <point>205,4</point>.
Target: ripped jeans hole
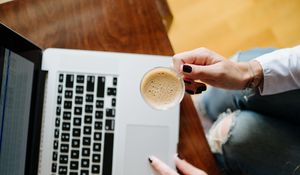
<point>220,132</point>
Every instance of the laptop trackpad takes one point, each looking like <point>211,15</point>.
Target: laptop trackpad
<point>142,141</point>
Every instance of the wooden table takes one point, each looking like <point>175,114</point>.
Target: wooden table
<point>133,26</point>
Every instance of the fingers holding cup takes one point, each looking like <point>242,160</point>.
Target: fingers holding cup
<point>194,87</point>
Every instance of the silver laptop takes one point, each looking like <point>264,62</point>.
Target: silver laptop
<point>79,112</point>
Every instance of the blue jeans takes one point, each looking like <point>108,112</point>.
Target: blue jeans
<point>264,138</point>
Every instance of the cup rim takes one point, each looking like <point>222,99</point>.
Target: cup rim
<point>178,75</point>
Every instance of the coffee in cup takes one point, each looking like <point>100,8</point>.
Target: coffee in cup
<point>162,88</point>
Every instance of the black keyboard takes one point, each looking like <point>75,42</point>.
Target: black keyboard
<point>84,124</point>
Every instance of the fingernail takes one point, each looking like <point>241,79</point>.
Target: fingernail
<point>187,82</point>
<point>187,68</point>
<point>178,171</point>
<point>179,156</point>
<point>150,160</point>
<point>203,87</point>
<point>200,89</point>
<point>189,91</point>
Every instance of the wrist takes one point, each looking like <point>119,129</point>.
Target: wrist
<point>256,74</point>
<point>252,74</point>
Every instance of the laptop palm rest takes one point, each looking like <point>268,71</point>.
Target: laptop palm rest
<point>141,142</point>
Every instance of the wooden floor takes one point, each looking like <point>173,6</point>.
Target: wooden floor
<point>233,25</point>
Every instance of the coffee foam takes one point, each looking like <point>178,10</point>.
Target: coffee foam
<point>162,88</point>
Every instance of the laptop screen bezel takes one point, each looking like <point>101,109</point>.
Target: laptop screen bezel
<point>14,42</point>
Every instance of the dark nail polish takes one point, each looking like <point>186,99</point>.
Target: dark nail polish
<point>178,171</point>
<point>179,156</point>
<point>187,82</point>
<point>200,89</point>
<point>204,88</point>
<point>189,91</point>
<point>149,159</point>
<point>187,68</point>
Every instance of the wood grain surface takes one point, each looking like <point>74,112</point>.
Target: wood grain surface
<point>133,26</point>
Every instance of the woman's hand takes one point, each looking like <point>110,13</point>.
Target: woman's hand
<point>213,69</point>
<point>184,167</point>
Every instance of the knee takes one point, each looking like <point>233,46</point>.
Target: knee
<point>235,130</point>
<point>220,131</point>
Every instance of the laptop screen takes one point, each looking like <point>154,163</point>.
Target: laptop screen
<point>16,88</point>
<point>20,63</point>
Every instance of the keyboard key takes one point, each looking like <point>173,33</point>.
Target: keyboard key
<point>80,79</point>
<point>66,126</point>
<point>87,130</point>
<point>109,125</point>
<point>57,122</point>
<point>84,172</point>
<point>96,169</point>
<point>63,159</point>
<point>76,132</point>
<point>77,121</point>
<point>97,147</point>
<point>56,133</point>
<point>78,100</point>
<point>96,158</point>
<point>90,83</point>
<point>58,111</point>
<point>86,141</point>
<point>86,152</point>
<point>61,78</point>
<point>68,104</point>
<point>75,143</point>
<point>99,104</point>
<point>70,81</point>
<point>75,154</point>
<point>85,163</point>
<point>98,126</point>
<point>88,119</point>
<point>113,102</point>
<point>74,165</point>
<point>108,154</point>
<point>54,156</point>
<point>65,137</point>
<point>78,110</point>
<point>110,112</point>
<point>101,87</point>
<point>67,115</point>
<point>89,98</point>
<point>60,89</point>
<point>64,148</point>
<point>112,91</point>
<point>79,90</point>
<point>89,108</point>
<point>59,99</point>
<point>68,94</point>
<point>99,114</point>
<point>55,145</point>
<point>62,170</point>
<point>53,167</point>
<point>115,81</point>
<point>73,173</point>
<point>97,136</point>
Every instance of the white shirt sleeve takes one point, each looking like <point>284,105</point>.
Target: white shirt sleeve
<point>281,70</point>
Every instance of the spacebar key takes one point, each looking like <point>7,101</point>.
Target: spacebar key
<point>108,153</point>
